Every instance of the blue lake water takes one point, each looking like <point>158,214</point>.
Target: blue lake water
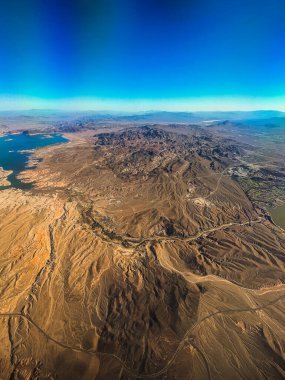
<point>13,158</point>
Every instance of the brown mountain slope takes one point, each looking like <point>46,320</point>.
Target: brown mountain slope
<point>136,255</point>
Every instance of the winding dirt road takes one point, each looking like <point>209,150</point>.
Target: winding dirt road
<point>129,370</point>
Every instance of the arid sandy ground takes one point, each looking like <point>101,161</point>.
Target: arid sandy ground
<point>137,255</point>
<point>3,177</point>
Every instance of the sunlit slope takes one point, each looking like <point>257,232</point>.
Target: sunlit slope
<point>137,255</point>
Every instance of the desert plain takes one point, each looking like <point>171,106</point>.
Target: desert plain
<point>142,251</point>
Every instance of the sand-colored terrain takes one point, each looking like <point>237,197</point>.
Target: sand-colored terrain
<point>137,255</point>
<point>3,177</point>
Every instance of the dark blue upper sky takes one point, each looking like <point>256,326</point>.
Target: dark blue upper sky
<point>142,49</point>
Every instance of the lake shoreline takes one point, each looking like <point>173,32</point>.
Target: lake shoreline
<point>15,154</point>
<point>278,215</point>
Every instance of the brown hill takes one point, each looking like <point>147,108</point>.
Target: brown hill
<point>137,255</point>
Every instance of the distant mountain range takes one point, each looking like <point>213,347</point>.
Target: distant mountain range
<point>250,117</point>
<point>260,117</point>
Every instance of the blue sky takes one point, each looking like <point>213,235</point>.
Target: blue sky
<point>170,54</point>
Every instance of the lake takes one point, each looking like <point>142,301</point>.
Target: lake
<point>278,215</point>
<point>13,158</point>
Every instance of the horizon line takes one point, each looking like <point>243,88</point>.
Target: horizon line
<point>13,103</point>
<point>146,111</point>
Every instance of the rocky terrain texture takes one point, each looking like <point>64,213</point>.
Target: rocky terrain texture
<point>3,177</point>
<point>137,254</point>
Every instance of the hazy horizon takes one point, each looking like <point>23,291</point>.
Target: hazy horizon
<point>226,104</point>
